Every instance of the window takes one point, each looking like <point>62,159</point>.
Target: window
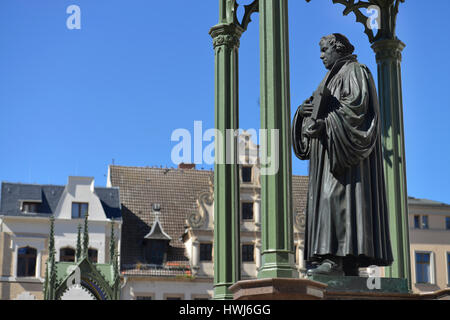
<point>247,253</point>
<point>26,262</point>
<point>205,251</point>
<point>144,298</point>
<point>173,298</point>
<point>30,207</point>
<point>79,210</point>
<point>246,173</point>
<point>155,251</point>
<point>93,254</point>
<point>416,222</point>
<point>420,222</point>
<point>424,222</point>
<point>448,267</point>
<point>247,211</point>
<point>67,255</point>
<point>423,267</point>
<point>447,223</point>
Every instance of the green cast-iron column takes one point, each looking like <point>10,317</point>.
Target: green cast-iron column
<point>277,253</point>
<point>226,37</point>
<point>388,56</point>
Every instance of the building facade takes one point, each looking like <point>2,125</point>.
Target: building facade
<point>429,236</point>
<point>25,213</point>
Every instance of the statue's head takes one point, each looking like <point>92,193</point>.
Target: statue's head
<point>334,47</point>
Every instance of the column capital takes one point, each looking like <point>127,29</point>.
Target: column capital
<point>388,49</point>
<point>226,34</point>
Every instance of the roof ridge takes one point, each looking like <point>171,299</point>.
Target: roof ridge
<point>163,169</point>
<point>32,184</point>
<point>51,185</point>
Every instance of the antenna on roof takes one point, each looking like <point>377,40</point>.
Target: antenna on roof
<point>113,161</point>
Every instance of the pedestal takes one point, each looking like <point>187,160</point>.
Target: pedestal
<point>362,284</point>
<point>329,288</point>
<point>278,289</point>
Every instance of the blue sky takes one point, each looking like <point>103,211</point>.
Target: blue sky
<point>71,101</point>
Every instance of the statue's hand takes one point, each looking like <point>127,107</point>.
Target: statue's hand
<point>314,128</point>
<point>306,109</point>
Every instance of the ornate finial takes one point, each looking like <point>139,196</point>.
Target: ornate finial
<point>113,255</point>
<point>51,261</point>
<point>112,244</point>
<point>86,237</point>
<point>116,266</point>
<point>45,287</point>
<point>79,250</point>
<point>387,13</point>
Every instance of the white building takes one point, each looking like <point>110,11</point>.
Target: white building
<point>24,229</point>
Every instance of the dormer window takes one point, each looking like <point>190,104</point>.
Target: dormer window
<point>79,210</point>
<point>30,206</point>
<point>246,174</point>
<point>155,251</point>
<point>156,242</point>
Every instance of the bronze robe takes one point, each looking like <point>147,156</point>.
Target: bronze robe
<point>346,213</point>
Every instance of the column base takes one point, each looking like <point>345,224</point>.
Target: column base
<point>222,292</point>
<point>268,272</point>
<point>277,264</point>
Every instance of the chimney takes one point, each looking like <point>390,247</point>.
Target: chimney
<point>186,166</point>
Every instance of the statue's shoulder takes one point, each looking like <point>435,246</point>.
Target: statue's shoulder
<point>354,66</point>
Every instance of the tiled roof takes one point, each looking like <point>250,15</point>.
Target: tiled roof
<point>177,191</point>
<point>48,197</point>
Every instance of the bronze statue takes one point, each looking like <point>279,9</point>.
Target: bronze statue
<point>338,130</point>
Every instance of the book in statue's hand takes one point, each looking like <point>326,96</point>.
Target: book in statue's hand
<point>320,102</point>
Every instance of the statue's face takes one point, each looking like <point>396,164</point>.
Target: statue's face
<point>328,54</point>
